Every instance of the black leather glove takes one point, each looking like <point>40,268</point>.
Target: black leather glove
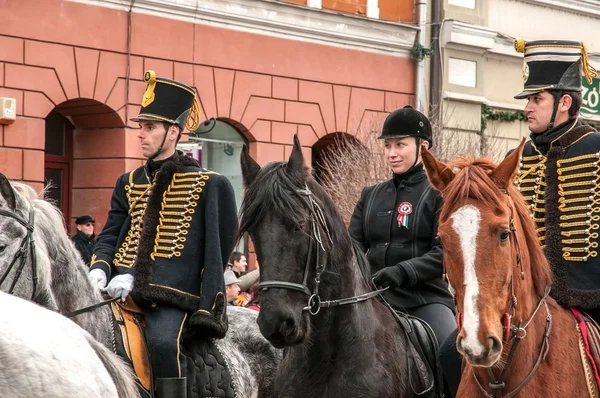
<point>393,277</point>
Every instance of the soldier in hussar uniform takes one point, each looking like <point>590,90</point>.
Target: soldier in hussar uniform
<point>168,236</point>
<point>559,172</point>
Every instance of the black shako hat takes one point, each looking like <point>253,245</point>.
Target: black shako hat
<point>406,122</point>
<point>553,65</point>
<point>165,100</point>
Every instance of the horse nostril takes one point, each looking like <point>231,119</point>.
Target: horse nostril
<point>495,344</point>
<point>287,327</point>
<point>459,344</point>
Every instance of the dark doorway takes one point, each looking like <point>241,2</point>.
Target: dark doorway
<point>59,161</point>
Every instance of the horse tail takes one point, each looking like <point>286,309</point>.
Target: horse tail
<point>121,373</point>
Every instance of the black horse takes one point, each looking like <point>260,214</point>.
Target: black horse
<point>341,340</point>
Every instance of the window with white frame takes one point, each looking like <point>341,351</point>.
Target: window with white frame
<point>462,72</point>
<point>462,3</point>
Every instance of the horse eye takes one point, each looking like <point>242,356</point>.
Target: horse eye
<point>504,234</point>
<point>299,226</point>
<point>2,248</point>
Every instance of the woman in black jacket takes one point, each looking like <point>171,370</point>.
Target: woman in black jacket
<point>396,224</point>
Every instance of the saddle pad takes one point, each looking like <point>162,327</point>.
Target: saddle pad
<point>208,369</point>
<point>130,342</point>
<point>590,333</point>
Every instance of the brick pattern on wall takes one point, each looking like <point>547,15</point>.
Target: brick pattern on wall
<point>260,85</point>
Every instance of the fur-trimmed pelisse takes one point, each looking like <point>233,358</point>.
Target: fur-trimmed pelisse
<point>565,295</point>
<point>143,269</point>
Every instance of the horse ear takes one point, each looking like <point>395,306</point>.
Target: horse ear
<point>296,160</point>
<point>250,168</point>
<point>7,192</point>
<point>505,173</point>
<point>439,174</point>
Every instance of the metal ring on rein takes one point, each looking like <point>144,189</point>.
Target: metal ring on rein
<point>314,304</point>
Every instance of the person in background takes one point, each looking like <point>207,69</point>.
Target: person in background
<point>85,239</point>
<point>232,287</point>
<point>237,263</point>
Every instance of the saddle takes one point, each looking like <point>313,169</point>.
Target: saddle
<point>130,343</point>
<point>208,370</point>
<point>424,371</point>
<point>589,339</point>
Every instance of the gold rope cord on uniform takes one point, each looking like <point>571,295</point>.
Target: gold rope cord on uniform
<point>167,243</point>
<point>588,70</point>
<point>589,188</point>
<point>125,256</point>
<point>193,120</point>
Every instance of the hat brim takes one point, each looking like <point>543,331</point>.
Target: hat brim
<point>393,136</point>
<point>150,118</point>
<point>526,93</point>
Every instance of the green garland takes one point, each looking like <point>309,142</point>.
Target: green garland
<point>419,52</point>
<point>488,113</point>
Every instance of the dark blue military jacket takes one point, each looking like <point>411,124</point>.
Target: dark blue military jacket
<point>174,233</point>
<point>559,178</point>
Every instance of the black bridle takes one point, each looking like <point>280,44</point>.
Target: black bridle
<point>317,223</point>
<point>27,247</point>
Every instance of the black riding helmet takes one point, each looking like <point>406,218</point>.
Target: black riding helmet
<point>407,122</point>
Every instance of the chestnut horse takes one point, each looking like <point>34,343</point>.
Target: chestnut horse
<point>514,337</point>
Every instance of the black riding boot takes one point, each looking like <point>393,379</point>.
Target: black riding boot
<point>173,387</point>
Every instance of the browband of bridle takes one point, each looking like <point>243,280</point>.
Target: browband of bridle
<point>315,303</point>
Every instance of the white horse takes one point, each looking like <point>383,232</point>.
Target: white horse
<point>43,354</point>
<point>39,262</point>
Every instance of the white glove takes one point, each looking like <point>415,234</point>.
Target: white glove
<point>120,286</point>
<point>97,278</point>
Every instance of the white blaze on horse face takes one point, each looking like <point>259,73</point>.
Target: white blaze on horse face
<point>465,223</point>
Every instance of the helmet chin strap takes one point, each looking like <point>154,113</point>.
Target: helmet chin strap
<point>557,95</point>
<point>160,148</point>
<point>418,142</point>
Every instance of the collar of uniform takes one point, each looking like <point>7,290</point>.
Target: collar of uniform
<point>549,138</point>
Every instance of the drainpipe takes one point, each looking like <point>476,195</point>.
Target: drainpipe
<point>420,75</point>
<point>435,70</point>
<point>128,71</point>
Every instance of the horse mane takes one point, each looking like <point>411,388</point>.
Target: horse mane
<point>472,180</point>
<point>55,251</point>
<point>49,219</point>
<point>274,192</point>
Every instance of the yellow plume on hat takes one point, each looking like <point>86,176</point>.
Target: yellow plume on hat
<point>150,78</point>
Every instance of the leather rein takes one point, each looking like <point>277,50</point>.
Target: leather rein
<point>317,224</point>
<point>515,333</point>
